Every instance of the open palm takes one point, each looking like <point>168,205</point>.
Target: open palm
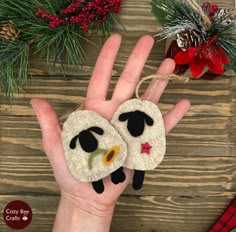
<point>96,100</point>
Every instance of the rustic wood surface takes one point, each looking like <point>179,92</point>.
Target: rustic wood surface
<point>186,193</point>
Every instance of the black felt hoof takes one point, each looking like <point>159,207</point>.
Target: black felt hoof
<point>98,186</point>
<point>138,179</point>
<point>118,176</point>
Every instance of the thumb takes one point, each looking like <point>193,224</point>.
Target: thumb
<point>49,124</point>
<point>51,133</point>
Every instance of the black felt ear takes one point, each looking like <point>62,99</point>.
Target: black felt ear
<point>98,186</point>
<point>125,116</point>
<point>97,130</point>
<point>73,142</point>
<point>138,179</point>
<point>148,120</point>
<point>118,176</point>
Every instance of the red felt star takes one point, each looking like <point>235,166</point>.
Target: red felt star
<point>208,54</point>
<point>145,148</point>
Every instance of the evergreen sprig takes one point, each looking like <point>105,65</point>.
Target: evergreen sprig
<point>226,39</point>
<point>178,16</point>
<point>62,44</point>
<point>14,56</point>
<point>175,17</point>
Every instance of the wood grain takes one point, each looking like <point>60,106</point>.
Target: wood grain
<point>191,176</point>
<point>208,98</point>
<point>135,213</point>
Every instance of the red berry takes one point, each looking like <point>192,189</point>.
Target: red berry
<point>206,5</point>
<point>214,9</point>
<point>93,10</point>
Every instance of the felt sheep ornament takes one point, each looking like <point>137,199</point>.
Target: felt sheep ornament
<point>93,149</point>
<point>141,125</point>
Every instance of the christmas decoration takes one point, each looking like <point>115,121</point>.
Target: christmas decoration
<point>141,126</point>
<point>134,138</point>
<point>93,149</point>
<point>54,30</point>
<point>203,38</point>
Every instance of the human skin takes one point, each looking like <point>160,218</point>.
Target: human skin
<point>80,207</point>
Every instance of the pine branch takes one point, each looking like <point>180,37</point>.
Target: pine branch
<point>61,44</point>
<point>210,29</point>
<point>175,17</point>
<point>14,57</point>
<point>178,16</point>
<point>164,10</point>
<point>226,34</point>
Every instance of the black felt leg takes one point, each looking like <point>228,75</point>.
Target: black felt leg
<point>98,186</point>
<point>118,176</point>
<point>138,179</point>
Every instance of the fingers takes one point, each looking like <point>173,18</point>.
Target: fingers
<point>176,114</point>
<point>155,90</point>
<point>99,83</point>
<point>157,87</point>
<point>130,76</point>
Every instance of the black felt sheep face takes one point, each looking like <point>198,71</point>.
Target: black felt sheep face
<point>141,125</point>
<point>87,139</point>
<point>93,149</point>
<point>136,122</point>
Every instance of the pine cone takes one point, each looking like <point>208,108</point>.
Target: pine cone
<point>9,31</point>
<point>187,39</point>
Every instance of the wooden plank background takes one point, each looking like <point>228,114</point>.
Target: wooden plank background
<point>187,192</point>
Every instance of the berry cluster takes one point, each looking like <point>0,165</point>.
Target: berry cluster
<point>96,10</point>
<point>210,9</point>
<point>54,21</point>
<point>72,8</point>
<point>84,14</point>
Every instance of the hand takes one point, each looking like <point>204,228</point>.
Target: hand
<point>80,195</point>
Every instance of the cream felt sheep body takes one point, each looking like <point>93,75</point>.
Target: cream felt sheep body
<point>141,125</point>
<point>93,148</point>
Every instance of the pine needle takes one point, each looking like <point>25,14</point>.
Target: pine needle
<point>14,57</point>
<point>178,16</point>
<point>62,45</point>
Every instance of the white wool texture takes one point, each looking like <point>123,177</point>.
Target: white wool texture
<point>77,159</point>
<point>154,135</point>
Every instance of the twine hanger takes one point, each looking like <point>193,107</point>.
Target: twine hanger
<point>171,77</point>
<point>198,9</point>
